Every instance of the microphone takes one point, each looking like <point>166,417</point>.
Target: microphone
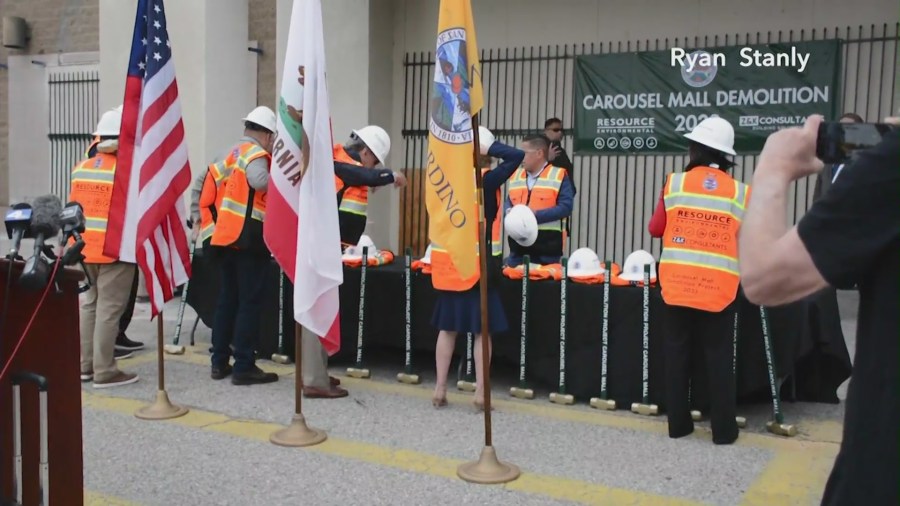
<point>72,221</point>
<point>18,225</point>
<point>44,225</point>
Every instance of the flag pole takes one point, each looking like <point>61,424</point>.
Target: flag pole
<point>298,434</point>
<point>162,408</point>
<point>488,469</point>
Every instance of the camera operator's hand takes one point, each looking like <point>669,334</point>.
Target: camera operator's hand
<point>790,153</point>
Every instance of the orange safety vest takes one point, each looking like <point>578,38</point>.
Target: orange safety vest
<point>353,201</point>
<point>383,257</point>
<point>543,195</point>
<point>235,206</point>
<point>444,273</point>
<point>597,279</point>
<point>92,184</point>
<point>94,142</point>
<point>699,262</point>
<point>211,199</point>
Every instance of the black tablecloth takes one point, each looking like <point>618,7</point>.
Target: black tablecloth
<point>807,337</point>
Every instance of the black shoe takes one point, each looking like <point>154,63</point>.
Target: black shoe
<point>254,376</point>
<point>120,354</point>
<point>123,343</point>
<point>220,372</point>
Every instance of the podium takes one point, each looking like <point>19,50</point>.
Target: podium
<point>51,349</point>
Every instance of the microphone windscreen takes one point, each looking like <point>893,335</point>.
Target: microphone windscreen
<point>45,215</point>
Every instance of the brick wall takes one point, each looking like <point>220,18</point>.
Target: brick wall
<point>262,30</point>
<point>57,26</point>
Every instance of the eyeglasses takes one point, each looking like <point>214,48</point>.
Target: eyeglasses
<point>559,129</point>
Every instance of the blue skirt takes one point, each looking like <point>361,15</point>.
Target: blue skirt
<point>461,311</point>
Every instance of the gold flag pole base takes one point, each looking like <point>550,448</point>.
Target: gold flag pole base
<point>162,409</point>
<point>488,469</point>
<point>298,434</point>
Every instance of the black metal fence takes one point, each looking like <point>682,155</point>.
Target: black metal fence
<point>617,194</point>
<point>74,98</point>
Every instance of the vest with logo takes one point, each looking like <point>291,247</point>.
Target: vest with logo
<point>242,209</point>
<point>698,267</point>
<point>543,195</point>
<point>353,202</point>
<point>211,199</point>
<point>92,184</point>
<point>444,275</point>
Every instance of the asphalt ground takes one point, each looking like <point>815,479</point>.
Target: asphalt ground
<point>387,444</point>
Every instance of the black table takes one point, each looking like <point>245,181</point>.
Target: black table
<point>807,337</point>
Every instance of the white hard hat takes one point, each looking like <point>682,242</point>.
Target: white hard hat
<point>521,225</point>
<point>110,124</point>
<point>634,266</point>
<point>376,139</point>
<point>714,132</point>
<point>119,108</point>
<point>427,258</point>
<point>584,262</point>
<point>485,139</point>
<point>264,117</point>
<point>355,252</point>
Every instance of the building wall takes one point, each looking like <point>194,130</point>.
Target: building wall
<point>57,26</point>
<point>262,30</point>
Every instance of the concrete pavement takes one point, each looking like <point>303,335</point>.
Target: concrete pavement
<point>388,445</point>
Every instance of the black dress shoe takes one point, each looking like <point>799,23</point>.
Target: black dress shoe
<point>125,344</point>
<point>220,372</point>
<point>254,376</point>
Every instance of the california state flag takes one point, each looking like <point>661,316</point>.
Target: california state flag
<point>301,227</point>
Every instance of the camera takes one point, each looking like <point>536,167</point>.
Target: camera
<point>837,141</point>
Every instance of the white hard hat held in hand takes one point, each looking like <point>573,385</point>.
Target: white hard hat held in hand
<point>427,258</point>
<point>264,117</point>
<point>714,132</point>
<point>633,270</point>
<point>584,263</point>
<point>521,225</point>
<point>485,139</point>
<point>376,139</point>
<point>355,252</point>
<point>110,124</point>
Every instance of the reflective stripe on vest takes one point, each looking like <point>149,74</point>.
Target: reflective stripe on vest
<point>699,262</point>
<point>92,183</point>
<point>232,211</point>
<point>543,195</point>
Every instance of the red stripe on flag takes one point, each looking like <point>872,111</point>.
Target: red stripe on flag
<point>124,161</point>
<point>158,211</point>
<point>155,162</point>
<point>160,107</point>
<point>280,231</point>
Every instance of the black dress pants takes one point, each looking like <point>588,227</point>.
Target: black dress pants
<point>715,331</point>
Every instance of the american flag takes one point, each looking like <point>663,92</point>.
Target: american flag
<point>147,212</point>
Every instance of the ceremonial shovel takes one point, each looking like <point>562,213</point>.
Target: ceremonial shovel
<point>281,357</point>
<point>358,371</point>
<point>522,391</point>
<point>644,407</point>
<point>562,397</point>
<point>468,384</point>
<point>776,426</point>
<point>407,375</point>
<point>603,402</point>
<point>175,348</point>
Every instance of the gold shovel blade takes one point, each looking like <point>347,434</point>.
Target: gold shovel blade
<point>781,429</point>
<point>280,359</point>
<point>607,404</point>
<point>521,393</point>
<point>558,398</point>
<point>358,373</point>
<point>465,386</point>
<point>410,379</point>
<point>645,409</point>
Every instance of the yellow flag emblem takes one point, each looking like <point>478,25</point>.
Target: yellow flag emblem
<point>450,173</point>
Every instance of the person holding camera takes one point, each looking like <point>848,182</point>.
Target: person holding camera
<point>851,236</point>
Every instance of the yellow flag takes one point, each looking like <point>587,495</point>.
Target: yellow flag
<point>450,173</point>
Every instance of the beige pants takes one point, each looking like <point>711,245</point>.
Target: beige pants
<point>101,308</point>
<point>315,361</point>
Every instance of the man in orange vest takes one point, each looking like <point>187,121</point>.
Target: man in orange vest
<point>125,347</point>
<point>241,253</point>
<point>354,173</point>
<point>698,217</point>
<point>104,303</point>
<point>546,190</point>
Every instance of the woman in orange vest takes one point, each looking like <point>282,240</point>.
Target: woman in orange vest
<point>458,306</point>
<point>698,217</point>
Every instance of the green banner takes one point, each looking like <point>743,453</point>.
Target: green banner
<point>645,102</point>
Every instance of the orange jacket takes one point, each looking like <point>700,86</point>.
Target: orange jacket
<point>699,262</point>
<point>92,183</point>
<point>535,272</point>
<point>383,257</point>
<point>211,199</point>
<point>241,207</point>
